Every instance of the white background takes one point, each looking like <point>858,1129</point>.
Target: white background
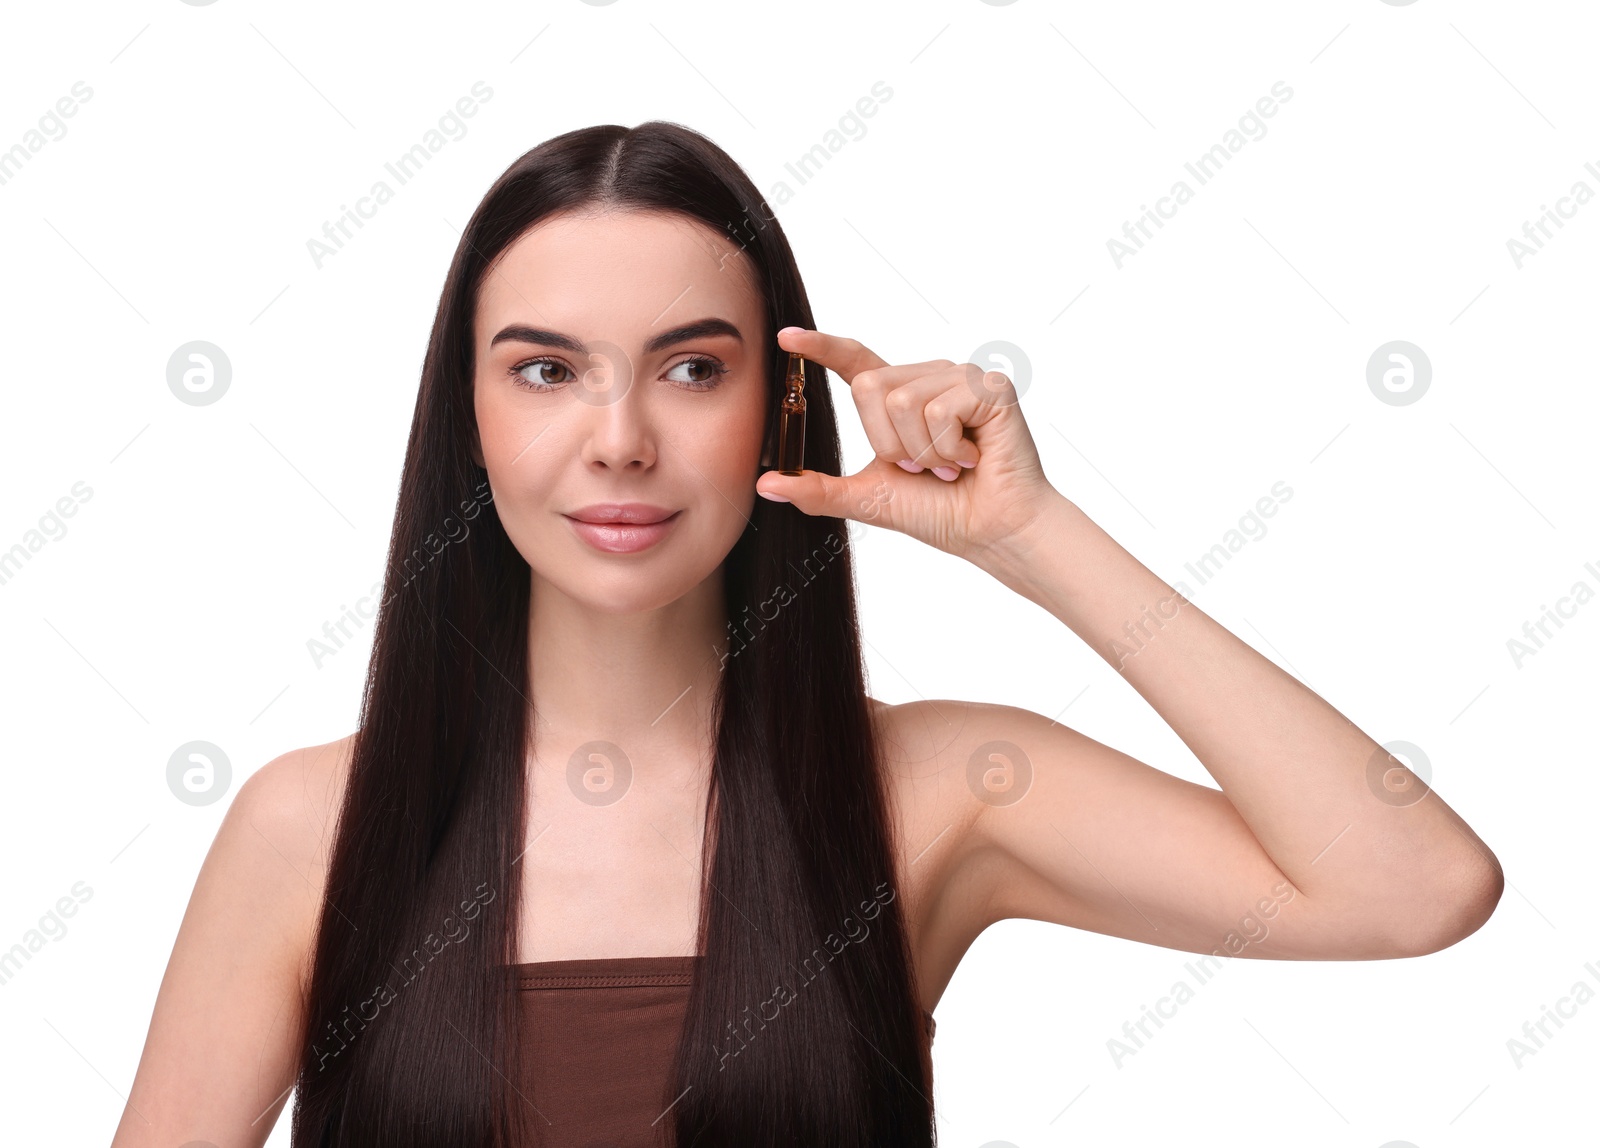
<point>1166,397</point>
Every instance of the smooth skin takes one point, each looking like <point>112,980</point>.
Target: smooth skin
<point>626,648</point>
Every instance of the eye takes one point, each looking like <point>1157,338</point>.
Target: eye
<point>541,381</point>
<point>705,372</point>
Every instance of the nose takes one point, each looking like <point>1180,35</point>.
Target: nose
<point>619,432</point>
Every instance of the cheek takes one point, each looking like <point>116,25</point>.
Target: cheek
<point>500,425</point>
<point>518,473</point>
<point>735,440</point>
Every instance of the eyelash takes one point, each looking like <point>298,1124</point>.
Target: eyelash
<point>521,380</point>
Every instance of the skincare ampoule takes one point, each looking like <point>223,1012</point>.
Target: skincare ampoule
<point>792,418</point>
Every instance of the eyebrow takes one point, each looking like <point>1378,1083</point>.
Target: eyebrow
<point>699,329</point>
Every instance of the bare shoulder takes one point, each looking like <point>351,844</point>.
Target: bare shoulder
<point>293,802</point>
<point>226,1030</point>
<point>945,873</point>
<point>925,747</point>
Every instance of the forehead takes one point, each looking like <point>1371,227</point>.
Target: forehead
<point>627,267</point>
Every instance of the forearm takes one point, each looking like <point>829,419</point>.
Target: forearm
<point>1310,785</point>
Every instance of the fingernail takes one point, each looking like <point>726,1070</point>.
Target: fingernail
<point>773,497</point>
<point>948,473</point>
<point>965,463</point>
<point>907,464</point>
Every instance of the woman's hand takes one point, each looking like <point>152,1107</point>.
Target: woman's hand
<point>975,479</point>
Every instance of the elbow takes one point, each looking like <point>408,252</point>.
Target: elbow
<point>1460,909</point>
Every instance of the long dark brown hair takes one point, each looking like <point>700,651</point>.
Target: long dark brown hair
<point>802,1024</point>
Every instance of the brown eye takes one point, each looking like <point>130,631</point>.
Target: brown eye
<point>704,373</point>
<point>542,370</point>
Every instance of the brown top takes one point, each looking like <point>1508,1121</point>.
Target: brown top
<point>599,1034</point>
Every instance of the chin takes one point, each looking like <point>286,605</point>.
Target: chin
<point>628,591</point>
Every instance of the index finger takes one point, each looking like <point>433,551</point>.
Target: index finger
<point>846,358</point>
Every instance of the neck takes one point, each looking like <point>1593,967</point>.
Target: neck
<point>644,680</point>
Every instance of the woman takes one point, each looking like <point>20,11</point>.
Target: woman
<point>616,735</point>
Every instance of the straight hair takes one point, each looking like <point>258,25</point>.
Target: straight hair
<point>802,1024</point>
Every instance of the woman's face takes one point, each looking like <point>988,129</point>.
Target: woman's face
<point>621,358</point>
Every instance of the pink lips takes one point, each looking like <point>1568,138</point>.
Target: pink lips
<point>622,527</point>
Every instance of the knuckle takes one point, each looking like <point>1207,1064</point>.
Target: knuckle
<point>900,401</point>
<point>869,381</point>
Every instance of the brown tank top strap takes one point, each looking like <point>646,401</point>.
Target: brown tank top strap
<point>607,972</point>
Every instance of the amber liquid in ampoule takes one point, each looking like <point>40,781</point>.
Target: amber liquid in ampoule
<point>792,418</point>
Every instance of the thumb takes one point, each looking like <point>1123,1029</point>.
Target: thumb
<point>811,491</point>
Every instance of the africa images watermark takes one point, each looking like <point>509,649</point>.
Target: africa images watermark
<point>50,528</point>
<point>411,966</point>
<point>1536,633</point>
<point>745,630</point>
<point>1140,632</point>
<point>50,129</point>
<point>812,966</point>
<point>1536,1033</point>
<point>403,168</point>
<point>50,927</point>
<point>350,621</point>
<point>1536,232</point>
<point>1204,169</point>
<point>810,163</point>
<point>1252,929</point>
<point>1137,634</point>
<point>1250,528</point>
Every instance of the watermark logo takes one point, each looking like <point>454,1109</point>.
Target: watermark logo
<point>198,773</point>
<point>1000,357</point>
<point>870,508</point>
<point>608,377</point>
<point>599,773</point>
<point>1399,373</point>
<point>999,773</point>
<point>1398,773</point>
<point>199,373</point>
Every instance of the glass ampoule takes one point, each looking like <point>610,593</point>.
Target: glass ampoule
<point>792,418</point>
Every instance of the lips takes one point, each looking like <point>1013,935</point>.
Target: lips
<point>623,528</point>
<point>628,513</point>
